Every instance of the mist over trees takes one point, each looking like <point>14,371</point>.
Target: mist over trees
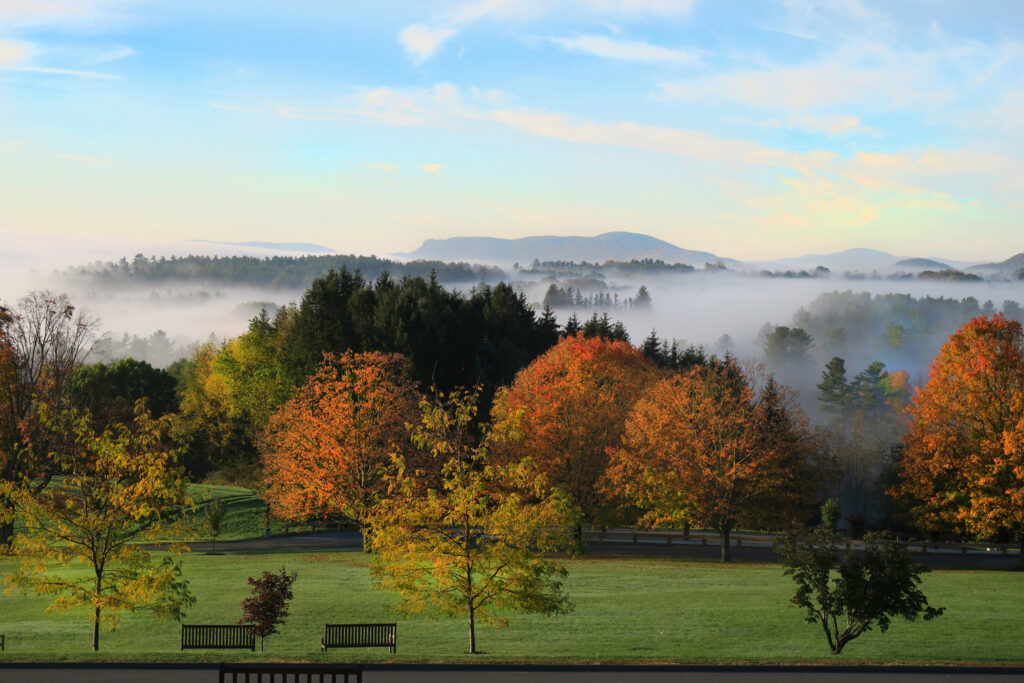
<point>851,359</point>
<point>272,272</point>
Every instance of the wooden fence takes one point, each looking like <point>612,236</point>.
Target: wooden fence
<point>706,537</point>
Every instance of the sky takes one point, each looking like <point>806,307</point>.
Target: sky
<point>754,129</point>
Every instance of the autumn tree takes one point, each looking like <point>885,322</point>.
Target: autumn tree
<point>848,595</point>
<point>327,449</point>
<point>702,447</point>
<point>210,433</point>
<point>267,608</point>
<point>475,545</point>
<point>962,468</point>
<point>114,491</point>
<point>570,406</point>
<point>43,340</point>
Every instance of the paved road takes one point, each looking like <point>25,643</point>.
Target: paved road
<point>206,674</point>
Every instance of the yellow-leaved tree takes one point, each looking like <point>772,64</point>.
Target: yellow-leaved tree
<point>478,543</point>
<point>114,490</point>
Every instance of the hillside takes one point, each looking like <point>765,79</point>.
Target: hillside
<point>922,264</point>
<point>1008,267</point>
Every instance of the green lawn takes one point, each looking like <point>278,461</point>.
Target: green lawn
<point>627,609</point>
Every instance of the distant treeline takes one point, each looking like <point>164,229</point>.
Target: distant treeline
<point>271,271</point>
<point>896,326</point>
<point>585,268</point>
<point>556,297</point>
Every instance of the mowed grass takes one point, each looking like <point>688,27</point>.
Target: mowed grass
<point>649,610</point>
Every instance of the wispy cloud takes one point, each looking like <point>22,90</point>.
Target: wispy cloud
<point>16,51</point>
<point>14,54</point>
<point>62,72</point>
<point>67,156</point>
<point>39,12</point>
<point>432,168</point>
<point>387,168</point>
<point>832,125</point>
<point>422,40</point>
<point>111,54</point>
<point>866,75</point>
<point>637,51</point>
<point>247,110</point>
<point>679,142</point>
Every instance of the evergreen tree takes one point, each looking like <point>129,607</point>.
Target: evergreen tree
<point>834,390</point>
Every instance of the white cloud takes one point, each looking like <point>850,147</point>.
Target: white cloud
<point>432,168</point>
<point>867,75</point>
<point>37,12</point>
<point>62,72</point>
<point>832,125</point>
<point>387,168</point>
<point>422,40</point>
<point>15,51</point>
<point>838,181</point>
<point>685,143</point>
<point>602,46</point>
<point>111,54</point>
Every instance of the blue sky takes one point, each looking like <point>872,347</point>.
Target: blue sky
<point>753,129</point>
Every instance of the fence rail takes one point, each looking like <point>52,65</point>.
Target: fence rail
<point>706,537</point>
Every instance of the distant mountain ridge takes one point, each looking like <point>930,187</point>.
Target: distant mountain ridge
<point>1010,265</point>
<point>616,246</point>
<point>864,260</point>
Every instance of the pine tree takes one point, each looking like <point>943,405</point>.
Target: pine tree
<point>834,389</point>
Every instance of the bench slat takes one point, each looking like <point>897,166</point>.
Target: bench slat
<point>217,636</point>
<point>360,635</point>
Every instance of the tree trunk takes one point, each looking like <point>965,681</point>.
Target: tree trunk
<point>6,534</point>
<point>96,631</point>
<point>472,630</point>
<point>724,530</point>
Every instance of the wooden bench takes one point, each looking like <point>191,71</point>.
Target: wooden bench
<point>309,673</point>
<point>359,635</point>
<point>220,637</point>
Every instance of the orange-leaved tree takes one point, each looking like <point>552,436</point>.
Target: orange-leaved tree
<point>327,449</point>
<point>703,447</point>
<point>569,407</point>
<point>962,469</point>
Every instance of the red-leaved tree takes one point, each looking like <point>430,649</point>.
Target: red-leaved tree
<point>326,450</point>
<point>703,447</point>
<point>963,466</point>
<point>569,407</point>
<point>268,606</point>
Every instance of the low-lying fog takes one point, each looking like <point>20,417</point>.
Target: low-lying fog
<point>695,308</point>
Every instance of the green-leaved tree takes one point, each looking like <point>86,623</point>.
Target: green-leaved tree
<point>478,543</point>
<point>850,594</point>
<point>113,491</point>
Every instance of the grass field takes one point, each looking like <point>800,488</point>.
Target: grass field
<point>627,610</point>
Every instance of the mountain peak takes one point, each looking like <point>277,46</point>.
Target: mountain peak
<point>615,245</point>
